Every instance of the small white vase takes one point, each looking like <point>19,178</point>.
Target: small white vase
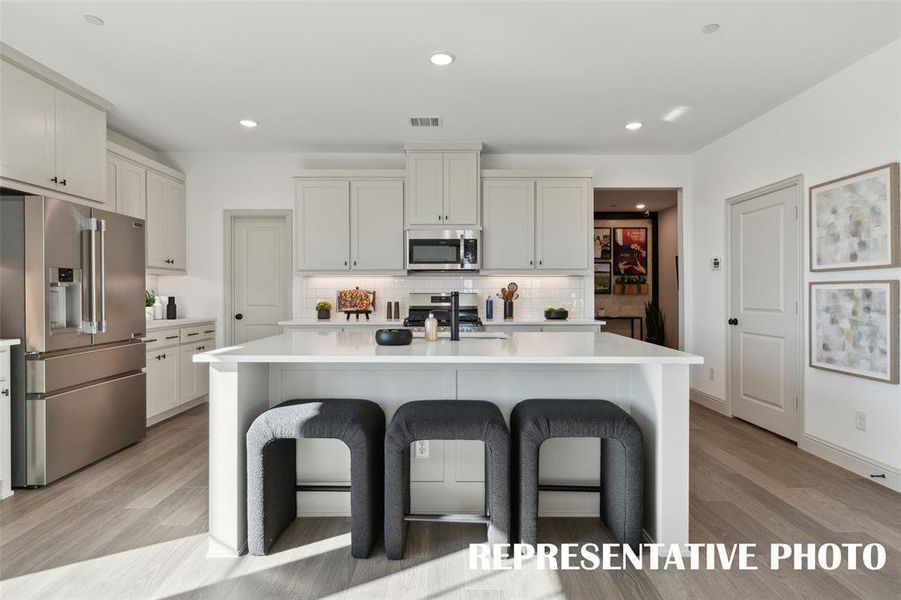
<point>148,313</point>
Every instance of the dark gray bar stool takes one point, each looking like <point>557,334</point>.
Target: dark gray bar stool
<point>446,420</point>
<point>271,467</point>
<point>622,472</point>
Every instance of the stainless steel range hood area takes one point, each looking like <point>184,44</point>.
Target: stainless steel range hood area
<point>72,281</point>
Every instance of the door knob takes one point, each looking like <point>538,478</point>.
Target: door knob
<point>239,316</point>
<point>733,321</point>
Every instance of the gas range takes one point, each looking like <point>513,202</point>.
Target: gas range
<point>439,305</point>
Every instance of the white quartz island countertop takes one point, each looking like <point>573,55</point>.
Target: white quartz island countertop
<point>340,321</point>
<point>4,343</point>
<point>573,348</point>
<point>183,322</point>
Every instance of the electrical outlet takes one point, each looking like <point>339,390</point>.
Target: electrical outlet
<point>860,420</point>
<point>421,449</point>
<point>711,374</point>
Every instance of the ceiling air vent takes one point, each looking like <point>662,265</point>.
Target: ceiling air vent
<point>425,121</point>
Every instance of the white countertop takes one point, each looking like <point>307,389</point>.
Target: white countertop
<point>381,322</point>
<point>8,342</point>
<point>167,323</point>
<point>560,348</point>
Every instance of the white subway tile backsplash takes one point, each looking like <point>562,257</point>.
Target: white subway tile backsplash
<point>535,293</point>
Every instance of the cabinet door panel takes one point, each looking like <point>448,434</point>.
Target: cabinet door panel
<point>377,225</point>
<point>162,381</point>
<point>80,148</point>
<point>156,221</point>
<point>461,188</point>
<point>176,229</point>
<point>425,176</point>
<point>187,382</point>
<point>508,221</point>
<point>322,225</point>
<point>132,195</point>
<point>113,176</point>
<point>27,150</point>
<point>563,218</point>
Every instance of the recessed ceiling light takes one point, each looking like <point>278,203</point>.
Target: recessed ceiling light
<point>639,206</point>
<point>441,58</point>
<point>676,113</point>
<point>633,125</point>
<point>710,28</point>
<point>93,20</point>
<point>248,123</point>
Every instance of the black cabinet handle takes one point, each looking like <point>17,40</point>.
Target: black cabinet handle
<point>54,179</point>
<point>531,262</point>
<point>62,181</point>
<point>5,392</point>
<point>345,263</point>
<point>193,334</point>
<point>733,321</point>
<point>355,263</point>
<point>171,337</point>
<point>239,316</point>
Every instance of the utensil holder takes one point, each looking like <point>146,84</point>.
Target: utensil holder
<point>508,309</point>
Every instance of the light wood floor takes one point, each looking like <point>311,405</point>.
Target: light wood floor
<point>133,526</point>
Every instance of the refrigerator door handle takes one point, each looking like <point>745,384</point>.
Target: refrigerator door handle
<point>90,326</point>
<point>101,227</point>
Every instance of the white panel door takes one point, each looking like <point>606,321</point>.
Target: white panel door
<point>764,284</point>
<point>508,224</point>
<point>27,147</point>
<point>562,224</point>
<point>377,225</point>
<point>322,225</point>
<point>261,276</point>
<point>461,188</point>
<point>425,176</point>
<point>132,194</point>
<point>80,148</point>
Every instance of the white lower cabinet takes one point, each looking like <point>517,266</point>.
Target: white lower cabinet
<point>174,381</point>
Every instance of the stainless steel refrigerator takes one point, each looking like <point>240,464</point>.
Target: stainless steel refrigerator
<point>72,289</point>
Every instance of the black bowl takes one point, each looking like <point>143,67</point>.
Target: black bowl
<point>556,315</point>
<point>393,337</point>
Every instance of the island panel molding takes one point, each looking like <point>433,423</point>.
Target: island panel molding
<point>854,221</point>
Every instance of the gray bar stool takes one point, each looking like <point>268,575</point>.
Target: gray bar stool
<point>446,420</point>
<point>272,470</point>
<point>622,472</point>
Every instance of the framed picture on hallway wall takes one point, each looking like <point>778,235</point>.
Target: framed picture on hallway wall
<point>854,328</point>
<point>854,221</point>
<point>603,283</point>
<point>630,251</point>
<point>602,243</point>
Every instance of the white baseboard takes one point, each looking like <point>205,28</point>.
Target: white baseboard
<point>711,402</point>
<point>174,411</point>
<point>852,461</point>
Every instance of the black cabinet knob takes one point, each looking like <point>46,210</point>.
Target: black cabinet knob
<point>733,321</point>
<point>239,316</point>
<point>62,181</point>
<point>54,179</point>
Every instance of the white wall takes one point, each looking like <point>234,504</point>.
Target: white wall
<point>228,180</point>
<point>847,123</point>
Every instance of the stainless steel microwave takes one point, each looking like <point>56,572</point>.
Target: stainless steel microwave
<point>443,250</point>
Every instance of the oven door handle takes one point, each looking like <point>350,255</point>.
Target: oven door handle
<point>462,253</point>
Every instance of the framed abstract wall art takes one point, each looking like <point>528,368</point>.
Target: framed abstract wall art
<point>854,328</point>
<point>603,283</point>
<point>602,243</point>
<point>854,221</point>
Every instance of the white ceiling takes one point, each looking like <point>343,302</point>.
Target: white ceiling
<point>529,77</point>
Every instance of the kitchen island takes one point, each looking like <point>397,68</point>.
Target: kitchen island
<point>648,381</point>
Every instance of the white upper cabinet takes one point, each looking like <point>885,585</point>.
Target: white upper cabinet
<point>126,186</point>
<point>50,138</point>
<point>80,148</point>
<point>508,224</point>
<point>28,145</point>
<point>322,225</point>
<point>563,217</point>
<point>443,187</point>
<point>377,225</point>
<point>165,224</point>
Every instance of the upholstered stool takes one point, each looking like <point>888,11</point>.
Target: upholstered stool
<point>271,467</point>
<point>446,420</point>
<point>622,473</point>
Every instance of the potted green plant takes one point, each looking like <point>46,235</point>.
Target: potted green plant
<point>149,299</point>
<point>324,310</point>
<point>655,324</point>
